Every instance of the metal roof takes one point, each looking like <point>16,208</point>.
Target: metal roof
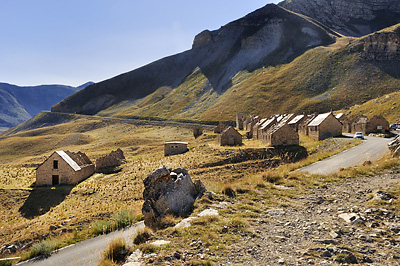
<point>318,120</point>
<point>296,119</point>
<point>176,142</point>
<point>69,160</point>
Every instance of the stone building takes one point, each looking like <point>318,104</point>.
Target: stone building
<point>250,122</point>
<point>221,127</point>
<point>375,124</point>
<point>113,159</point>
<point>296,121</point>
<point>281,135</point>
<point>240,118</point>
<point>265,127</point>
<point>229,137</point>
<point>257,126</point>
<point>346,122</point>
<point>175,147</point>
<point>63,168</point>
<point>303,126</point>
<point>324,126</point>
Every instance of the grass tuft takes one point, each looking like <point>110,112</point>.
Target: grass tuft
<point>115,252</point>
<point>142,236</point>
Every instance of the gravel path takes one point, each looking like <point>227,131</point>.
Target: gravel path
<point>313,233</point>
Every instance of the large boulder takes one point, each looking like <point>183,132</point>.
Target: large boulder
<point>169,191</point>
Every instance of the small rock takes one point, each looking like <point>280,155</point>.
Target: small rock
<point>159,243</point>
<point>382,195</point>
<point>276,212</point>
<point>53,227</point>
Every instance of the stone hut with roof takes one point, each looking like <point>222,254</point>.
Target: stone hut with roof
<point>303,126</point>
<point>256,128</point>
<point>229,137</point>
<point>64,168</point>
<point>324,126</point>
<point>175,147</point>
<point>262,131</point>
<point>295,122</point>
<point>346,122</point>
<point>281,135</point>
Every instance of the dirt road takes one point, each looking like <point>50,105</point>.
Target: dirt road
<point>372,149</point>
<point>85,253</point>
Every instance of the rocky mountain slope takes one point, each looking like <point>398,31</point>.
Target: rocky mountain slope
<point>268,36</point>
<point>351,18</point>
<point>18,104</point>
<point>270,61</point>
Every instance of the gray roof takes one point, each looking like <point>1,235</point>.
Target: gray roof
<point>338,116</point>
<point>296,119</point>
<point>69,160</point>
<point>318,120</point>
<point>267,123</point>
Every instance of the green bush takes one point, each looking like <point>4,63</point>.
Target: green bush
<point>44,248</point>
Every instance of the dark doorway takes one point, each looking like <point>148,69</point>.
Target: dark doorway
<point>55,180</point>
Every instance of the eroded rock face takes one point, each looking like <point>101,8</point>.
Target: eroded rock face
<point>169,191</point>
<point>350,18</point>
<point>382,46</point>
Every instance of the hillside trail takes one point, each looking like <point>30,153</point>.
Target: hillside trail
<point>309,231</point>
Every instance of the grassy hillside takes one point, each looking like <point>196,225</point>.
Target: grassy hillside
<point>387,105</point>
<point>27,211</point>
<point>322,79</point>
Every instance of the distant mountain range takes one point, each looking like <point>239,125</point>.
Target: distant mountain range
<point>273,60</point>
<point>18,104</point>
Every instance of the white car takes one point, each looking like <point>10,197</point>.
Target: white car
<point>359,135</point>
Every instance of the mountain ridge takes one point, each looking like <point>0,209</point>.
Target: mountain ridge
<point>268,36</point>
<point>19,103</point>
<point>271,60</point>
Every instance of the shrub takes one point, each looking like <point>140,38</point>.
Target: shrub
<point>119,220</point>
<point>116,251</point>
<point>44,248</point>
<point>123,218</point>
<point>228,191</point>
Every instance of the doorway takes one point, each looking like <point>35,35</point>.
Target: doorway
<point>55,180</point>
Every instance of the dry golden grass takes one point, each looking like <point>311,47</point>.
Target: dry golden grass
<point>27,212</point>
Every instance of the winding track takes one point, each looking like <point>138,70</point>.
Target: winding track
<point>372,149</point>
<point>84,253</point>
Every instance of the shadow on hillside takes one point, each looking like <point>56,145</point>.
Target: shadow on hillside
<point>42,199</point>
<point>390,67</point>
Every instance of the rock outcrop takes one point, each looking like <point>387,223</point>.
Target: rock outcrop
<point>351,18</point>
<point>394,146</point>
<point>382,46</point>
<point>113,159</point>
<point>169,191</point>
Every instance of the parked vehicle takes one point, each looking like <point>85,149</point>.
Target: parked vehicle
<point>359,135</point>
<point>393,126</point>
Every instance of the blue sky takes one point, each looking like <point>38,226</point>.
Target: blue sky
<point>72,42</point>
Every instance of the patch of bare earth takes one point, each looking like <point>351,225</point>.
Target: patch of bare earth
<point>310,230</point>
